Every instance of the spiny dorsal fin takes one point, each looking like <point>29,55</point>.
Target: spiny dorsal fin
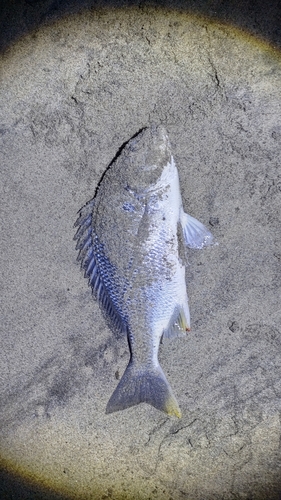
<point>87,243</point>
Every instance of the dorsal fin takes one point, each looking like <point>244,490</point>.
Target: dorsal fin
<point>87,242</point>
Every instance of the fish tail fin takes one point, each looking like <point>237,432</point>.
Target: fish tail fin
<point>143,385</point>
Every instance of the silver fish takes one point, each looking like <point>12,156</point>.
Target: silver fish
<point>128,238</point>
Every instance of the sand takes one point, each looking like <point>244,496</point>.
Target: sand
<point>73,90</point>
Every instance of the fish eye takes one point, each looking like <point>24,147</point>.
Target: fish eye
<point>128,207</point>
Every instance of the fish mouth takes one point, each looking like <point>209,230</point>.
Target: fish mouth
<point>150,150</point>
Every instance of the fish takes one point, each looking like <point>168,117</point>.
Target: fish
<point>129,240</point>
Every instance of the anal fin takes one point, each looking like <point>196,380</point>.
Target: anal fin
<point>179,323</point>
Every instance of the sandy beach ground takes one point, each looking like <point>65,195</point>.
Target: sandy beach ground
<point>77,82</point>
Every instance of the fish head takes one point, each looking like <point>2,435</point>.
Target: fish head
<point>145,157</point>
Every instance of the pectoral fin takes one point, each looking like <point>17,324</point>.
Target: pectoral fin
<point>195,234</point>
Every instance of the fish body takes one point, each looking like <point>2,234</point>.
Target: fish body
<point>128,238</point>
